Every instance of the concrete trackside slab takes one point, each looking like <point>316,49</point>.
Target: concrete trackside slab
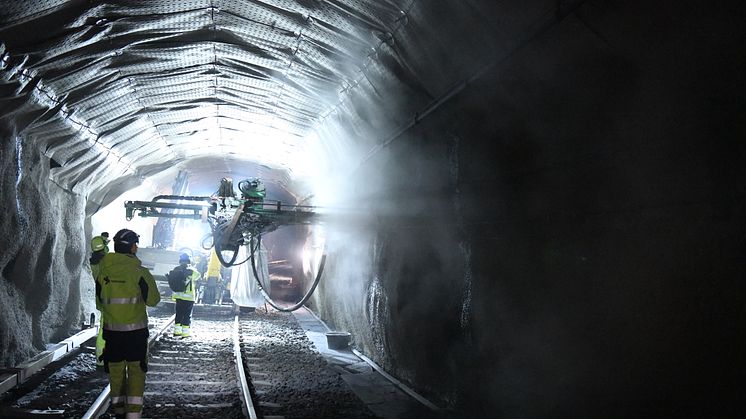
<point>59,350</point>
<point>8,379</point>
<point>382,396</point>
<point>34,365</point>
<point>12,377</point>
<point>79,338</point>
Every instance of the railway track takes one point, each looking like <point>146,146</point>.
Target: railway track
<point>259,364</point>
<point>193,377</point>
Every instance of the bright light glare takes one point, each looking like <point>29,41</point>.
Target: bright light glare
<point>312,251</point>
<point>189,234</point>
<point>111,218</point>
<point>262,138</point>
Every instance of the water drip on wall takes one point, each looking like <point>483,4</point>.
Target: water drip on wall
<point>377,310</point>
<point>19,175</point>
<point>464,245</point>
<point>465,317</point>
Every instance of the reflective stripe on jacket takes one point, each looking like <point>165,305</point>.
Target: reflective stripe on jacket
<point>188,293</point>
<point>120,295</point>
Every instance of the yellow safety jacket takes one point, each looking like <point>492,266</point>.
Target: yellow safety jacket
<point>123,288</point>
<point>188,293</point>
<point>213,266</point>
<point>94,272</point>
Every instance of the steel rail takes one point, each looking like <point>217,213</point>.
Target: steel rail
<point>396,382</point>
<point>102,401</point>
<point>248,405</point>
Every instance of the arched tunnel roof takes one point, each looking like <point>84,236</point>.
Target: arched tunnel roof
<point>116,91</point>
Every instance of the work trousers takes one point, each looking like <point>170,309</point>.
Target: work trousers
<point>183,312</point>
<point>126,361</point>
<point>211,290</point>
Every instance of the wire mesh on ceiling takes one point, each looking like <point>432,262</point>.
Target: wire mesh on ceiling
<point>157,82</point>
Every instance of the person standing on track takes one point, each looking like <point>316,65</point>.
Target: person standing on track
<point>185,299</point>
<point>99,248</point>
<point>123,289</point>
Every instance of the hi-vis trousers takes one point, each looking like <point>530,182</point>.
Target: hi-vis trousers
<point>126,361</point>
<point>127,380</point>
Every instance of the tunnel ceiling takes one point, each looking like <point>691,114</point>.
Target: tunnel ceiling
<point>130,88</point>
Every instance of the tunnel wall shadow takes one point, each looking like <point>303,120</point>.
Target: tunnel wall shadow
<point>561,237</point>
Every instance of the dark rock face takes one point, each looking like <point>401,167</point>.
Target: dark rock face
<point>559,236</point>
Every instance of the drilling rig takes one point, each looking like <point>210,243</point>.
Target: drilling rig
<point>235,219</point>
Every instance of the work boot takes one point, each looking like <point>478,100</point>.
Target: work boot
<point>184,331</point>
<point>178,330</point>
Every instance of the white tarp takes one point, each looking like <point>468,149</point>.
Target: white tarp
<point>244,289</point>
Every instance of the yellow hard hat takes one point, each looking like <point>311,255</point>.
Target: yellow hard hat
<point>98,243</point>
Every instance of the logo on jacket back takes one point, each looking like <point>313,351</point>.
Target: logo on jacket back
<point>107,280</point>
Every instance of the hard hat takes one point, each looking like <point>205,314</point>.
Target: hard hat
<point>126,236</point>
<point>184,258</point>
<point>98,243</point>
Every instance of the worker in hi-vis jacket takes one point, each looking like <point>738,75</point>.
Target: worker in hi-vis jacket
<point>123,288</point>
<point>185,299</point>
<point>99,248</point>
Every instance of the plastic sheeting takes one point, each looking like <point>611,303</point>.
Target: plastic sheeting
<point>244,289</point>
<point>137,87</point>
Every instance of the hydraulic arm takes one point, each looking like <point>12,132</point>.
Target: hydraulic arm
<point>235,220</point>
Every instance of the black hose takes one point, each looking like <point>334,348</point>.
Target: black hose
<point>267,297</point>
<point>219,253</point>
<point>204,239</point>
<point>243,261</point>
<point>217,236</point>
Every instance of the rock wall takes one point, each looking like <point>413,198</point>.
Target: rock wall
<point>556,230</point>
<point>46,289</point>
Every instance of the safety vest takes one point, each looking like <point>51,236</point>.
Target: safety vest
<point>119,295</point>
<point>94,261</point>
<point>188,293</point>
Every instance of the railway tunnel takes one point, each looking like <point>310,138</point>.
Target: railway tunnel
<point>538,205</point>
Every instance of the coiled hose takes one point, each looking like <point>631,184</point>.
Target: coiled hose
<point>264,293</point>
<point>217,236</point>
